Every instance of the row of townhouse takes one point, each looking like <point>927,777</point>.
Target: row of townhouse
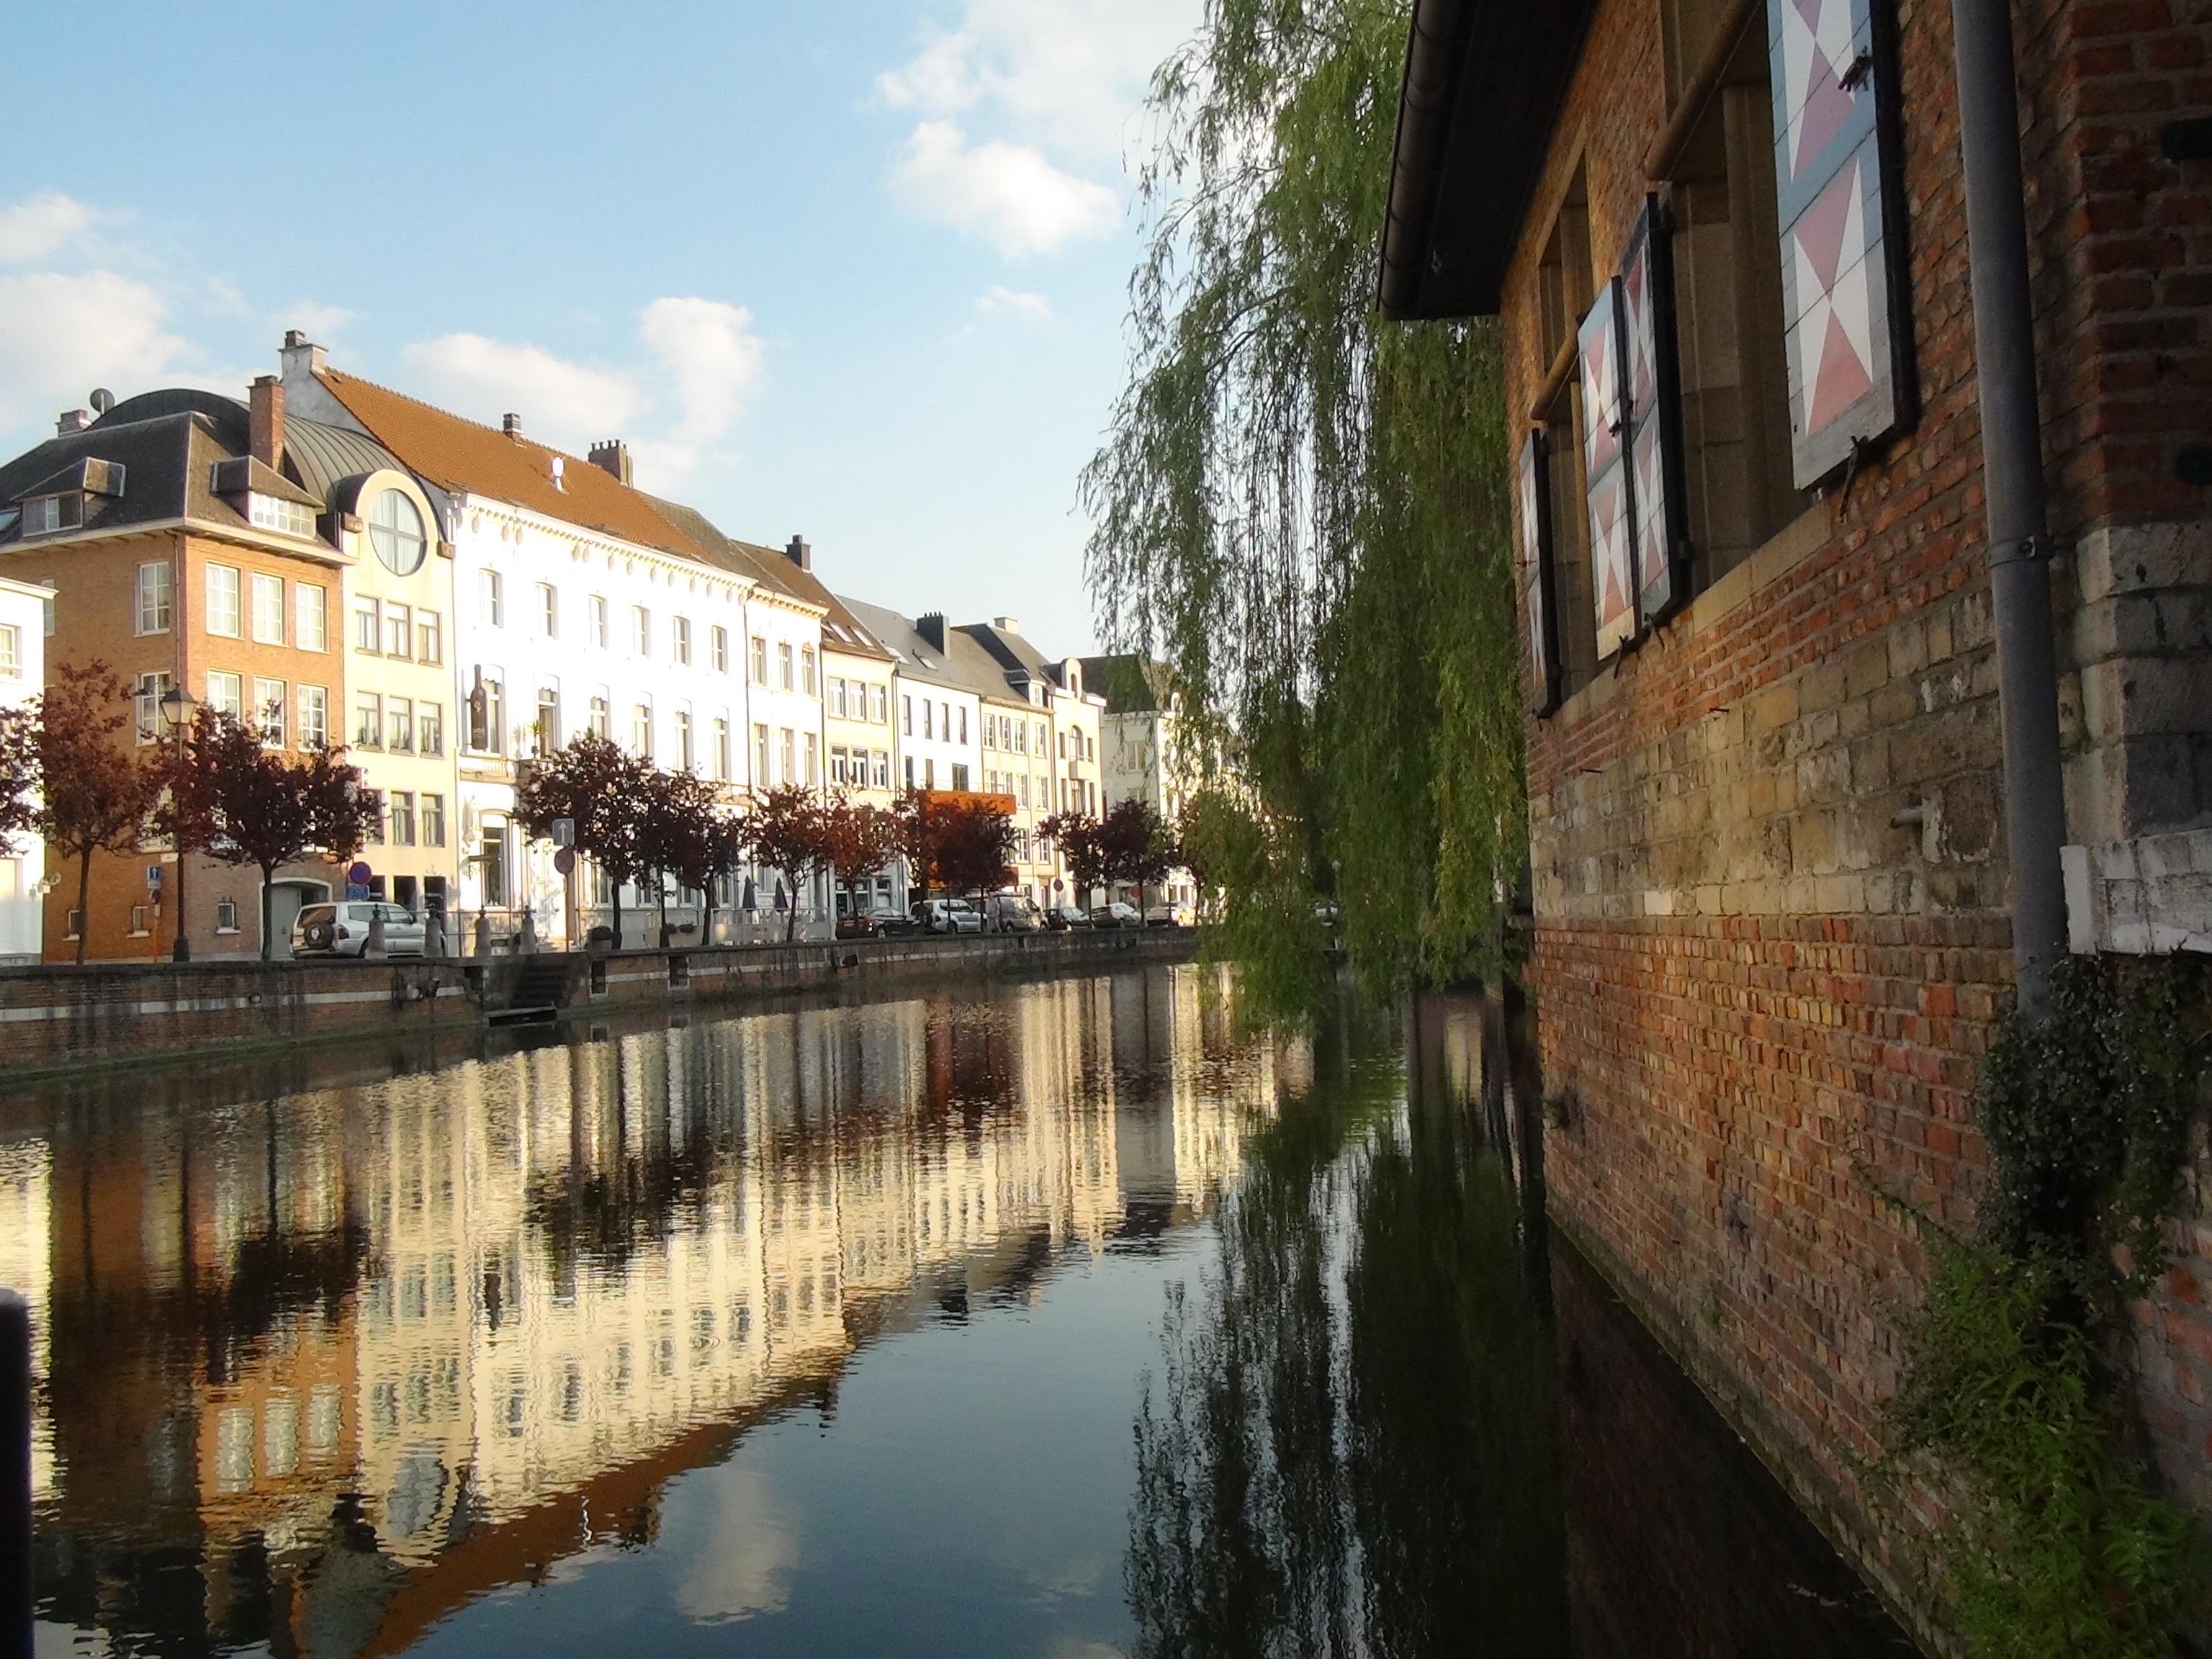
<point>345,564</point>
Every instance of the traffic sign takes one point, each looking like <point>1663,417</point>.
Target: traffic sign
<point>564,833</point>
<point>360,873</point>
<point>565,860</point>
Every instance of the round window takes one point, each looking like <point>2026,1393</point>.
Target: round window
<point>395,530</point>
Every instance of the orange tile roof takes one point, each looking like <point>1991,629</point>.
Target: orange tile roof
<point>460,455</point>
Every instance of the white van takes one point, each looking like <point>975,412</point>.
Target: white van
<point>342,930</point>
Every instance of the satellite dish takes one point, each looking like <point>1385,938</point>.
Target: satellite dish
<point>102,400</point>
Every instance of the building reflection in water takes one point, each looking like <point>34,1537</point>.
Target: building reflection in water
<point>322,1363</point>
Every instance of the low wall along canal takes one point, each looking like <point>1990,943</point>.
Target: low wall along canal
<point>55,1018</point>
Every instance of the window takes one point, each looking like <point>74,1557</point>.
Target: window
<point>944,721</point>
<point>929,775</point>
<point>314,717</point>
<point>73,924</point>
<point>910,771</point>
<point>138,928</point>
<point>367,626</point>
<point>225,694</point>
<point>640,630</point>
<point>367,720</point>
<point>959,776</point>
<point>963,725</point>
<point>429,646</point>
<point>840,765</point>
<point>783,676</point>
<point>640,730</point>
<point>879,705</point>
<point>222,616</point>
<point>906,714</point>
<point>491,599</point>
<point>403,817</point>
<point>760,757</point>
<point>487,716</point>
<point>11,652</point>
<point>549,719</point>
<point>225,915</point>
<point>596,608</point>
<point>311,616</point>
<point>601,724</point>
<point>372,818</point>
<point>269,609</point>
<point>48,514</point>
<point>398,631</point>
<point>759,660</point>
<point>47,605</point>
<point>395,530</point>
<point>684,756</point>
<point>683,640</point>
<point>790,756</point>
<point>269,707</point>
<point>549,611</point>
<point>883,768</point>
<point>722,748</point>
<point>400,726</point>
<point>433,820</point>
<point>813,761</point>
<point>146,706</point>
<point>286,518</point>
<point>429,729</point>
<point>806,669</point>
<point>719,641</point>
<point>928,717</point>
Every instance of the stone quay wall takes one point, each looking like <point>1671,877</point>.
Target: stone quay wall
<point>58,1018</point>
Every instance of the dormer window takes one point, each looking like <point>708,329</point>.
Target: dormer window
<point>43,515</point>
<point>285,518</point>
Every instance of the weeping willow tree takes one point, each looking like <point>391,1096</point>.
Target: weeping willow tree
<point>1303,509</point>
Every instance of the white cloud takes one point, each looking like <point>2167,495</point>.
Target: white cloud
<point>1008,194</point>
<point>1030,308</point>
<point>710,353</point>
<point>1069,74</point>
<point>562,402</point>
<point>62,335</point>
<point>319,323</point>
<point>41,225</point>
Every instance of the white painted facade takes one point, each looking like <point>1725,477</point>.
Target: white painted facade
<point>782,676</point>
<point>22,676</point>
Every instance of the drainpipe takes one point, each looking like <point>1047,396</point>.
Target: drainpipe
<point>2012,470</point>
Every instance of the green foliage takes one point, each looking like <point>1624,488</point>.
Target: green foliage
<point>1261,908</point>
<point>2016,1394</point>
<point>1302,509</point>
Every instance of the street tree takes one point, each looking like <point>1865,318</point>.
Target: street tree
<point>242,802</point>
<point>858,842</point>
<point>785,834</point>
<point>1081,848</point>
<point>1137,845</point>
<point>675,823</point>
<point>599,786</point>
<point>96,793</point>
<point>961,843</point>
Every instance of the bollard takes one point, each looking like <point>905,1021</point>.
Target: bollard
<point>14,1476</point>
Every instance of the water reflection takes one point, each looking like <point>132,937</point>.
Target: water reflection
<point>824,1329</point>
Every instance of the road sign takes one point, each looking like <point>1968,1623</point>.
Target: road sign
<point>565,860</point>
<point>564,834</point>
<point>360,873</point>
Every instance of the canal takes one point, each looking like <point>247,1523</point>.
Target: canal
<point>1056,1318</point>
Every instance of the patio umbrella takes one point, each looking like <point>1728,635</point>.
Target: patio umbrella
<point>752,898</point>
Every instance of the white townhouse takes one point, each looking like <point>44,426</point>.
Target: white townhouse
<point>1145,754</point>
<point>578,603</point>
<point>1050,753</point>
<point>22,676</point>
<point>936,712</point>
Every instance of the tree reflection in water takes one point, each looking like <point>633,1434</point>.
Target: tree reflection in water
<point>1348,1446</point>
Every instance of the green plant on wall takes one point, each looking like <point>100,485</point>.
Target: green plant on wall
<point>2016,1402</point>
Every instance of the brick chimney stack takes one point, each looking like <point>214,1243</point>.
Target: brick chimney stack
<point>266,422</point>
<point>931,627</point>
<point>800,553</point>
<point>611,455</point>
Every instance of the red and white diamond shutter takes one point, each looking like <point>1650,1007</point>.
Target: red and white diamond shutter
<point>1537,573</point>
<point>1605,471</point>
<point>1844,291</point>
<point>1659,537</point>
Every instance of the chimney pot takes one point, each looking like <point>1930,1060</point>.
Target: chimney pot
<point>800,552</point>
<point>265,421</point>
<point>611,455</point>
<point>511,425</point>
<point>72,420</point>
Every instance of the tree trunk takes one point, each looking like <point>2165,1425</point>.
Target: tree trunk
<point>268,878</point>
<point>614,886</point>
<point>660,894</point>
<point>791,915</point>
<point>83,893</point>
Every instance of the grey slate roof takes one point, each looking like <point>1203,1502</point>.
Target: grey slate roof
<point>168,460</point>
<point>917,656</point>
<point>1130,684</point>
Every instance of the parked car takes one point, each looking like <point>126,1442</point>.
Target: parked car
<point>342,930</point>
<point>940,916</point>
<point>1162,913</point>
<point>1010,912</point>
<point>1066,918</point>
<point>1117,914</point>
<point>859,924</point>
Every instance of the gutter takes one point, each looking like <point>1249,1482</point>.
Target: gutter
<point>2012,470</point>
<point>1435,48</point>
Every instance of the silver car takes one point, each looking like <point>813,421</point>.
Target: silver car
<point>342,930</point>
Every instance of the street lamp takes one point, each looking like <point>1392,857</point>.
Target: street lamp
<point>178,707</point>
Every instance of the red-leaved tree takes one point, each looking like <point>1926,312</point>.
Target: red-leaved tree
<point>961,843</point>
<point>858,842</point>
<point>240,802</point>
<point>1137,845</point>
<point>784,833</point>
<point>96,793</point>
<point>1076,836</point>
<point>598,785</point>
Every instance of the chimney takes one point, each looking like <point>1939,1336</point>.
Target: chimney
<point>266,421</point>
<point>931,627</point>
<point>512,425</point>
<point>1007,624</point>
<point>72,420</point>
<point>611,455</point>
<point>801,553</point>
<point>301,359</point>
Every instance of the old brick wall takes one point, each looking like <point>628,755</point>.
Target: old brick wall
<point>1771,934</point>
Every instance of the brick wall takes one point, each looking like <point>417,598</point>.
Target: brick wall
<point>1770,878</point>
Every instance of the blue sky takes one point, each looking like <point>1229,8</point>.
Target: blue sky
<point>853,269</point>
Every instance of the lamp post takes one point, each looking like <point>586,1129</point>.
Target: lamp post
<point>178,707</point>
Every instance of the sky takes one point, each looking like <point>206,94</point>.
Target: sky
<point>855,269</point>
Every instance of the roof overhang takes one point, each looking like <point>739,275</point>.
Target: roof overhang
<point>1484,82</point>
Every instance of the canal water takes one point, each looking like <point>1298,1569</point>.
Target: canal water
<point>1055,1319</point>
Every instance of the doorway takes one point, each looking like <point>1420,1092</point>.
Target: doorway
<point>286,900</point>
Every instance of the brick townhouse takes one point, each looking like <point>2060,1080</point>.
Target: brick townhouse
<point>1774,831</point>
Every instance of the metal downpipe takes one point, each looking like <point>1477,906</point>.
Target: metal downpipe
<point>2012,463</point>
